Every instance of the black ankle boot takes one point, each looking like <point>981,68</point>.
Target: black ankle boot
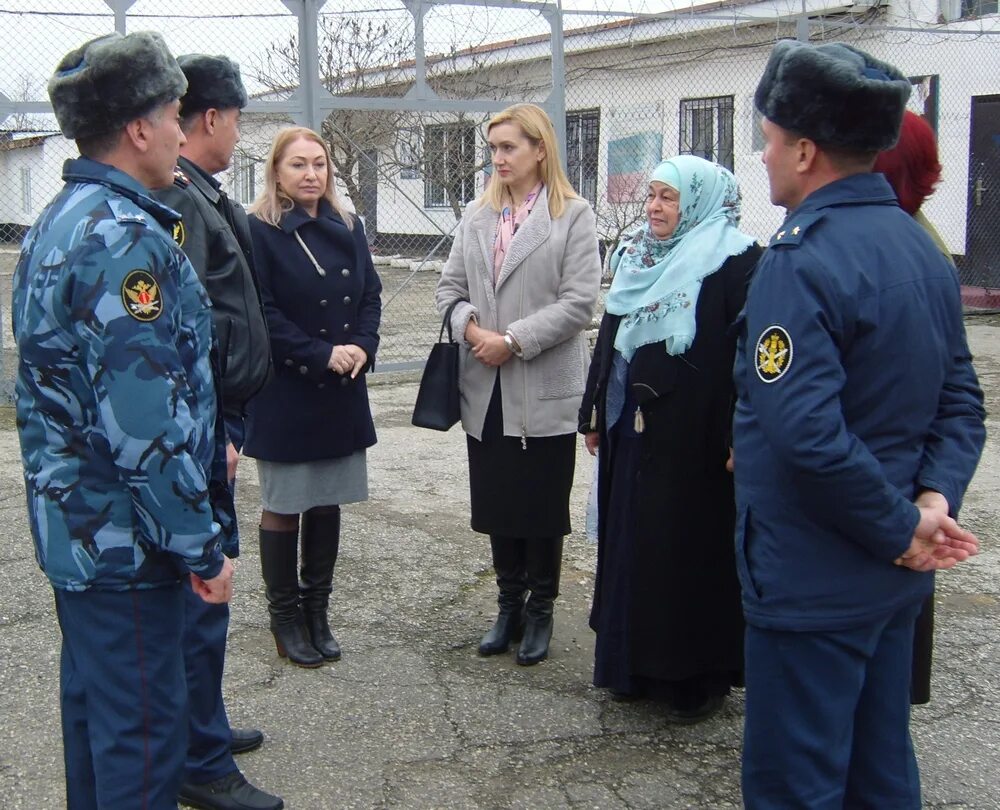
<point>320,544</point>
<point>543,561</point>
<point>278,560</point>
<point>508,562</point>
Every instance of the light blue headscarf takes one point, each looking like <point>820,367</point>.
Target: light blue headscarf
<point>657,281</point>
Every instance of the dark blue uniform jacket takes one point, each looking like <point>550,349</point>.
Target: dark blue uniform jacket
<point>307,412</point>
<point>856,391</point>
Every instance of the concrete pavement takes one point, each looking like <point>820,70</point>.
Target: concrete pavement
<point>413,718</point>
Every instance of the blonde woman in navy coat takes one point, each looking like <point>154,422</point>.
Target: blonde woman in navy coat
<point>310,427</point>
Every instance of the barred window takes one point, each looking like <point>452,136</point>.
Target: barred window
<point>582,142</point>
<point>26,190</point>
<point>408,153</point>
<point>449,164</point>
<point>707,129</point>
<point>978,8</point>
<point>245,180</point>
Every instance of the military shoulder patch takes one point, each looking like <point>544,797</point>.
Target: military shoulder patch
<point>178,233</point>
<point>794,229</point>
<point>141,296</point>
<point>774,353</point>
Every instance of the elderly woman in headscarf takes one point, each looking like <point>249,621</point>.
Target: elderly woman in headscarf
<point>658,404</point>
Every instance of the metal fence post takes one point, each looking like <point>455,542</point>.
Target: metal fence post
<point>557,98</point>
<point>308,92</point>
<point>802,25</point>
<point>120,7</point>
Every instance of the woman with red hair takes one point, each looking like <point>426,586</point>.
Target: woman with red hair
<point>913,170</point>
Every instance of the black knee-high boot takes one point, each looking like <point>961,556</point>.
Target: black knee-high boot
<point>543,562</point>
<point>279,552</point>
<point>508,562</point>
<point>320,544</point>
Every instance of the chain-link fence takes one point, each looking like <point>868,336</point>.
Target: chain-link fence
<point>401,90</point>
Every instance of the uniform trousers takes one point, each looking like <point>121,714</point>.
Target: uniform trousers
<point>123,697</point>
<point>205,629</point>
<point>828,718</point>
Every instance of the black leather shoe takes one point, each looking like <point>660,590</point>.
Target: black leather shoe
<point>688,715</point>
<point>231,792</point>
<point>245,739</point>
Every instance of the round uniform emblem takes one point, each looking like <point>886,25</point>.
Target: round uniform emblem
<point>141,296</point>
<point>178,233</point>
<point>774,353</point>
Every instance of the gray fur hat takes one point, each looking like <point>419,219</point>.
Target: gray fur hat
<point>111,80</point>
<point>834,95</point>
<point>213,81</point>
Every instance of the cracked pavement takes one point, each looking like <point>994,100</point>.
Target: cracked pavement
<point>413,718</point>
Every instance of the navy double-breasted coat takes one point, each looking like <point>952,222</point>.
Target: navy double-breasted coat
<point>308,412</point>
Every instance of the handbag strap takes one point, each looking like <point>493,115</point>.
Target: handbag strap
<point>446,322</point>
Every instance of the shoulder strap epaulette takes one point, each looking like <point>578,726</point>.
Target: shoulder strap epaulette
<point>794,229</point>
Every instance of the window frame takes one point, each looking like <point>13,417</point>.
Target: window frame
<point>26,189</point>
<point>720,111</point>
<point>582,156</point>
<point>435,191</point>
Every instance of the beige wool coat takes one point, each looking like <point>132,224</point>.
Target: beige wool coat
<point>545,297</point>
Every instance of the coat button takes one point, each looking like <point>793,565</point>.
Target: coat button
<point>322,302</point>
<point>345,272</point>
<point>303,369</point>
<point>347,300</point>
<point>347,327</point>
<point>322,331</point>
<point>344,380</point>
<point>289,362</point>
<point>321,385</point>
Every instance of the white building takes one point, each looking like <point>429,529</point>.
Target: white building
<point>637,91</point>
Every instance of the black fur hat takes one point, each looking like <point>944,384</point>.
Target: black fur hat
<point>111,80</point>
<point>834,95</point>
<point>213,82</point>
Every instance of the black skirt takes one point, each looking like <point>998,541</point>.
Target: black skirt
<point>519,490</point>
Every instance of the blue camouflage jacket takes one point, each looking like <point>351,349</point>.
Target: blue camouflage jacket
<point>856,391</point>
<point>116,403</point>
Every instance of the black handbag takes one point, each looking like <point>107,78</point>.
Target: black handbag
<point>437,405</point>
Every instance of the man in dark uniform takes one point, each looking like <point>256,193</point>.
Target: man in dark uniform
<point>120,428</point>
<point>858,427</point>
<point>214,234</point>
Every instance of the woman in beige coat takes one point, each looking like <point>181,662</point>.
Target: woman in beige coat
<point>526,270</point>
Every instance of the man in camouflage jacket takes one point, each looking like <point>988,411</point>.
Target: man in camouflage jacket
<point>117,415</point>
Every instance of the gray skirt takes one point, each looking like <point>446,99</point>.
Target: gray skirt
<point>289,488</point>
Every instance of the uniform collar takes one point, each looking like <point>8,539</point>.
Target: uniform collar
<point>867,188</point>
<point>297,217</point>
<point>85,170</point>
<point>200,179</point>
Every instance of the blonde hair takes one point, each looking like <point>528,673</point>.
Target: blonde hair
<point>536,126</point>
<point>273,203</point>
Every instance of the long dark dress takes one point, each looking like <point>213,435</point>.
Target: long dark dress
<point>667,601</point>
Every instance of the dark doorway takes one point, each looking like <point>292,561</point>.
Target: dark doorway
<point>981,267</point>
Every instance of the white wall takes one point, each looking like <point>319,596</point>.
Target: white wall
<point>45,160</point>
<point>966,67</point>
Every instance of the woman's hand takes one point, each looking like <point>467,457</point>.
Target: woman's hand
<point>341,360</point>
<point>360,357</point>
<point>474,333</point>
<point>491,350</point>
<point>591,441</point>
